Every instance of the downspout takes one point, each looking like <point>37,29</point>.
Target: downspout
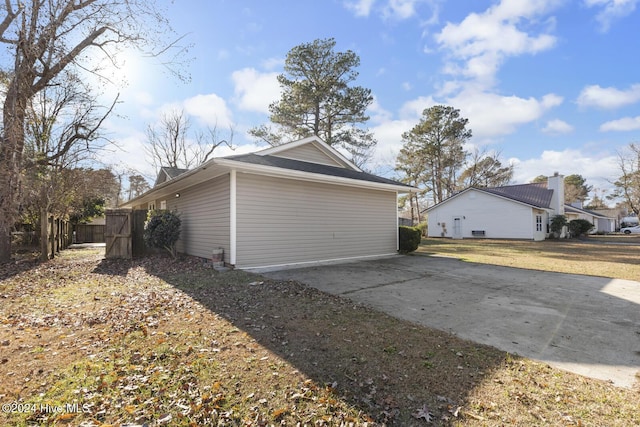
<point>398,223</point>
<point>232,217</point>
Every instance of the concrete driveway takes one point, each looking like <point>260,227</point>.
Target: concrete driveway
<point>587,325</point>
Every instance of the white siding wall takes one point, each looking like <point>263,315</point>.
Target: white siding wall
<point>204,210</point>
<point>499,218</point>
<point>308,153</point>
<point>282,221</point>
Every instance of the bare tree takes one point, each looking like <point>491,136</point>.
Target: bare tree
<point>628,184</point>
<point>171,142</point>
<point>44,38</point>
<point>61,130</point>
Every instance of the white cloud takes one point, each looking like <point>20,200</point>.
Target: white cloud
<point>412,110</point>
<point>254,91</point>
<point>273,63</point>
<point>401,9</point>
<point>598,170</point>
<point>209,109</point>
<point>621,125</point>
<point>482,41</point>
<point>608,97</point>
<point>360,7</point>
<point>395,9</point>
<point>611,10</point>
<point>491,115</point>
<point>557,127</point>
<point>378,114</point>
<point>389,137</point>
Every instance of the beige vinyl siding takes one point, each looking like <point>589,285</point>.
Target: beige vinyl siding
<point>283,221</point>
<point>204,210</point>
<point>308,153</point>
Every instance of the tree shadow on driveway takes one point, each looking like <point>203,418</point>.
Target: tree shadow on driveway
<point>584,324</point>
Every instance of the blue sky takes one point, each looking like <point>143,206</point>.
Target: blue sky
<point>553,85</point>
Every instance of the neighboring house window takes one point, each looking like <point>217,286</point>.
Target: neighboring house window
<point>538,222</point>
<point>163,204</point>
<point>152,206</point>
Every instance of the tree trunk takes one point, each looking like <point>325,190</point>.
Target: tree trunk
<point>44,235</point>
<point>11,147</point>
<point>5,241</point>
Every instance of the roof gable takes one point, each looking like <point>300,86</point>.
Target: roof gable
<point>166,173</point>
<point>312,150</point>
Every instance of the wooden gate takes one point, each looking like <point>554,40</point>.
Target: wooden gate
<point>117,233</point>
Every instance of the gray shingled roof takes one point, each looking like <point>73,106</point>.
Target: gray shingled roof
<point>574,209</point>
<point>298,165</point>
<point>169,172</point>
<point>173,172</point>
<point>537,195</point>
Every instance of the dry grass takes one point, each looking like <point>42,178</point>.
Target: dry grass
<point>605,256</point>
<point>156,342</point>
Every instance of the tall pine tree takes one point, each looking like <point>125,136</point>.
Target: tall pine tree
<point>438,143</point>
<point>318,98</point>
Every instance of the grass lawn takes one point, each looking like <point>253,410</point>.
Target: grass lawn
<point>90,342</point>
<point>615,256</point>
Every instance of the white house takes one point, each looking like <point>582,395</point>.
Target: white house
<point>509,212</point>
<point>297,203</point>
<point>601,223</point>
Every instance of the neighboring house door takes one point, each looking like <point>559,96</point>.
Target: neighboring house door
<point>457,227</point>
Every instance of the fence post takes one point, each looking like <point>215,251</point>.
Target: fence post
<point>52,243</point>
<point>137,232</point>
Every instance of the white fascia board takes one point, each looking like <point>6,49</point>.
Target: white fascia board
<point>313,177</point>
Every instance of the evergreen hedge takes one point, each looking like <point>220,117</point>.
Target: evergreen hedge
<point>162,230</point>
<point>409,239</point>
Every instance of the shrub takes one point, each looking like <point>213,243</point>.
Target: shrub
<point>162,230</point>
<point>557,223</point>
<point>423,228</point>
<point>409,239</point>
<point>578,227</point>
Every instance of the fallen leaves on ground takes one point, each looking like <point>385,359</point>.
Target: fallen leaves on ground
<point>91,342</point>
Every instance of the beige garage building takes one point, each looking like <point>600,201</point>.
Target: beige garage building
<point>297,203</point>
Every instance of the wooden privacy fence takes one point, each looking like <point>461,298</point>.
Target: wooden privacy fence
<point>89,233</point>
<point>60,235</point>
<point>123,233</point>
